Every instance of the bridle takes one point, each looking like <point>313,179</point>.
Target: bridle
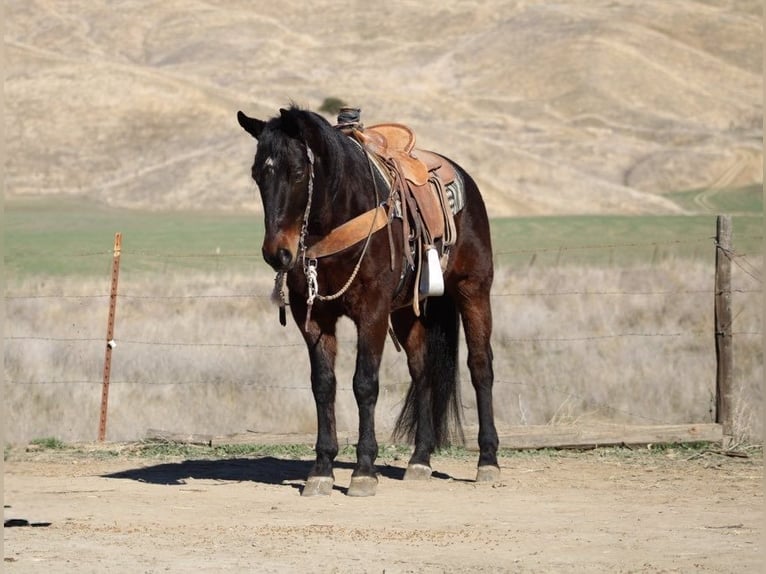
<point>310,263</point>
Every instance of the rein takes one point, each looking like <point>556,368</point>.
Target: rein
<point>338,239</point>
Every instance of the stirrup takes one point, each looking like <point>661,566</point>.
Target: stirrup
<point>431,278</point>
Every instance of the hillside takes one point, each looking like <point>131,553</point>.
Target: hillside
<point>589,106</point>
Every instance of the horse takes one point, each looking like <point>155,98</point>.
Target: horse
<point>314,179</point>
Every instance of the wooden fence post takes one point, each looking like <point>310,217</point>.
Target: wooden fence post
<point>723,329</point>
<point>110,336</point>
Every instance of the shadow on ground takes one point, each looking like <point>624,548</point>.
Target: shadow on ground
<point>265,470</point>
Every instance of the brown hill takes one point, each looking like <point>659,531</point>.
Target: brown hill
<point>589,106</point>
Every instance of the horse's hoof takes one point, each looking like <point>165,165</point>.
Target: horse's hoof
<point>362,486</point>
<point>417,472</point>
<point>488,473</point>
<point>318,486</point>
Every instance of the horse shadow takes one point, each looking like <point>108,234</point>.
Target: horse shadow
<point>264,470</point>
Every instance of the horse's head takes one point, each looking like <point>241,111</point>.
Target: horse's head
<point>282,169</point>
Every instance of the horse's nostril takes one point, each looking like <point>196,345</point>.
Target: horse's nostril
<point>285,257</point>
<point>280,260</point>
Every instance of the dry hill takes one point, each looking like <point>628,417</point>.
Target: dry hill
<point>581,106</point>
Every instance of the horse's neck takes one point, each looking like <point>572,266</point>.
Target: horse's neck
<point>347,189</point>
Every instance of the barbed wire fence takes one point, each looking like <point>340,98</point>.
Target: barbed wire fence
<point>239,359</point>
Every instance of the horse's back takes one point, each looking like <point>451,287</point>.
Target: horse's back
<point>473,214</point>
<point>472,252</point>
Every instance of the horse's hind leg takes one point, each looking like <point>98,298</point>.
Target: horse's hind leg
<point>416,420</point>
<point>477,322</point>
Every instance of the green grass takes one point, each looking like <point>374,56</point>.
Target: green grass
<point>620,239</point>
<point>48,443</point>
<point>171,450</point>
<point>70,237</point>
<point>614,239</point>
<point>293,451</point>
<point>748,199</point>
<point>64,236</point>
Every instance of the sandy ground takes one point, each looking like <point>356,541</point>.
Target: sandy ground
<point>597,511</point>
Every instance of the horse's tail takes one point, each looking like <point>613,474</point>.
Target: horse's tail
<point>442,323</point>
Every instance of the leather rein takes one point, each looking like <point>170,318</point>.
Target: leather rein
<point>361,227</point>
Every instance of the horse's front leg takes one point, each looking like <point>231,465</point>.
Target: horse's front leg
<point>322,346</point>
<point>371,338</point>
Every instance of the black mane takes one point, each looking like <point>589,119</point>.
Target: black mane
<point>343,177</point>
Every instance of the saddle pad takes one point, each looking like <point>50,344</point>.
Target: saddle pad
<point>454,186</point>
<point>455,191</point>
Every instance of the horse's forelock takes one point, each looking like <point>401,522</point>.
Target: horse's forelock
<point>305,127</point>
<point>275,141</point>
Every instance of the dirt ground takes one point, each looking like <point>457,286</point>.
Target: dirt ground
<point>599,511</point>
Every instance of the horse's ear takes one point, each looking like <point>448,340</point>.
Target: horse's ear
<point>291,124</point>
<point>251,125</point>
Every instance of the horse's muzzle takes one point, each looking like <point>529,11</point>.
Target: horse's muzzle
<point>280,246</point>
<point>280,260</point>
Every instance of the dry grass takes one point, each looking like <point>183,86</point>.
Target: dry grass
<point>554,107</point>
<point>206,354</point>
<point>639,349</point>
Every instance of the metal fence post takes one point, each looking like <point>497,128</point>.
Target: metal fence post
<point>110,335</point>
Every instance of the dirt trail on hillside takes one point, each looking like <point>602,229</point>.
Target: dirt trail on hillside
<point>596,512</point>
<point>553,108</point>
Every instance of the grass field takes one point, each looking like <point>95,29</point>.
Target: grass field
<point>66,237</point>
<point>595,318</point>
<point>748,199</point>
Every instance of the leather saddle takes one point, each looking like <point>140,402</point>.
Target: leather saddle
<point>424,176</point>
<point>418,181</point>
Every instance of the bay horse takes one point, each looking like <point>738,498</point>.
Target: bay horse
<point>313,179</point>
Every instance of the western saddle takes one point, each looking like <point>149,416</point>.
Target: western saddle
<point>423,189</point>
<point>420,177</point>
